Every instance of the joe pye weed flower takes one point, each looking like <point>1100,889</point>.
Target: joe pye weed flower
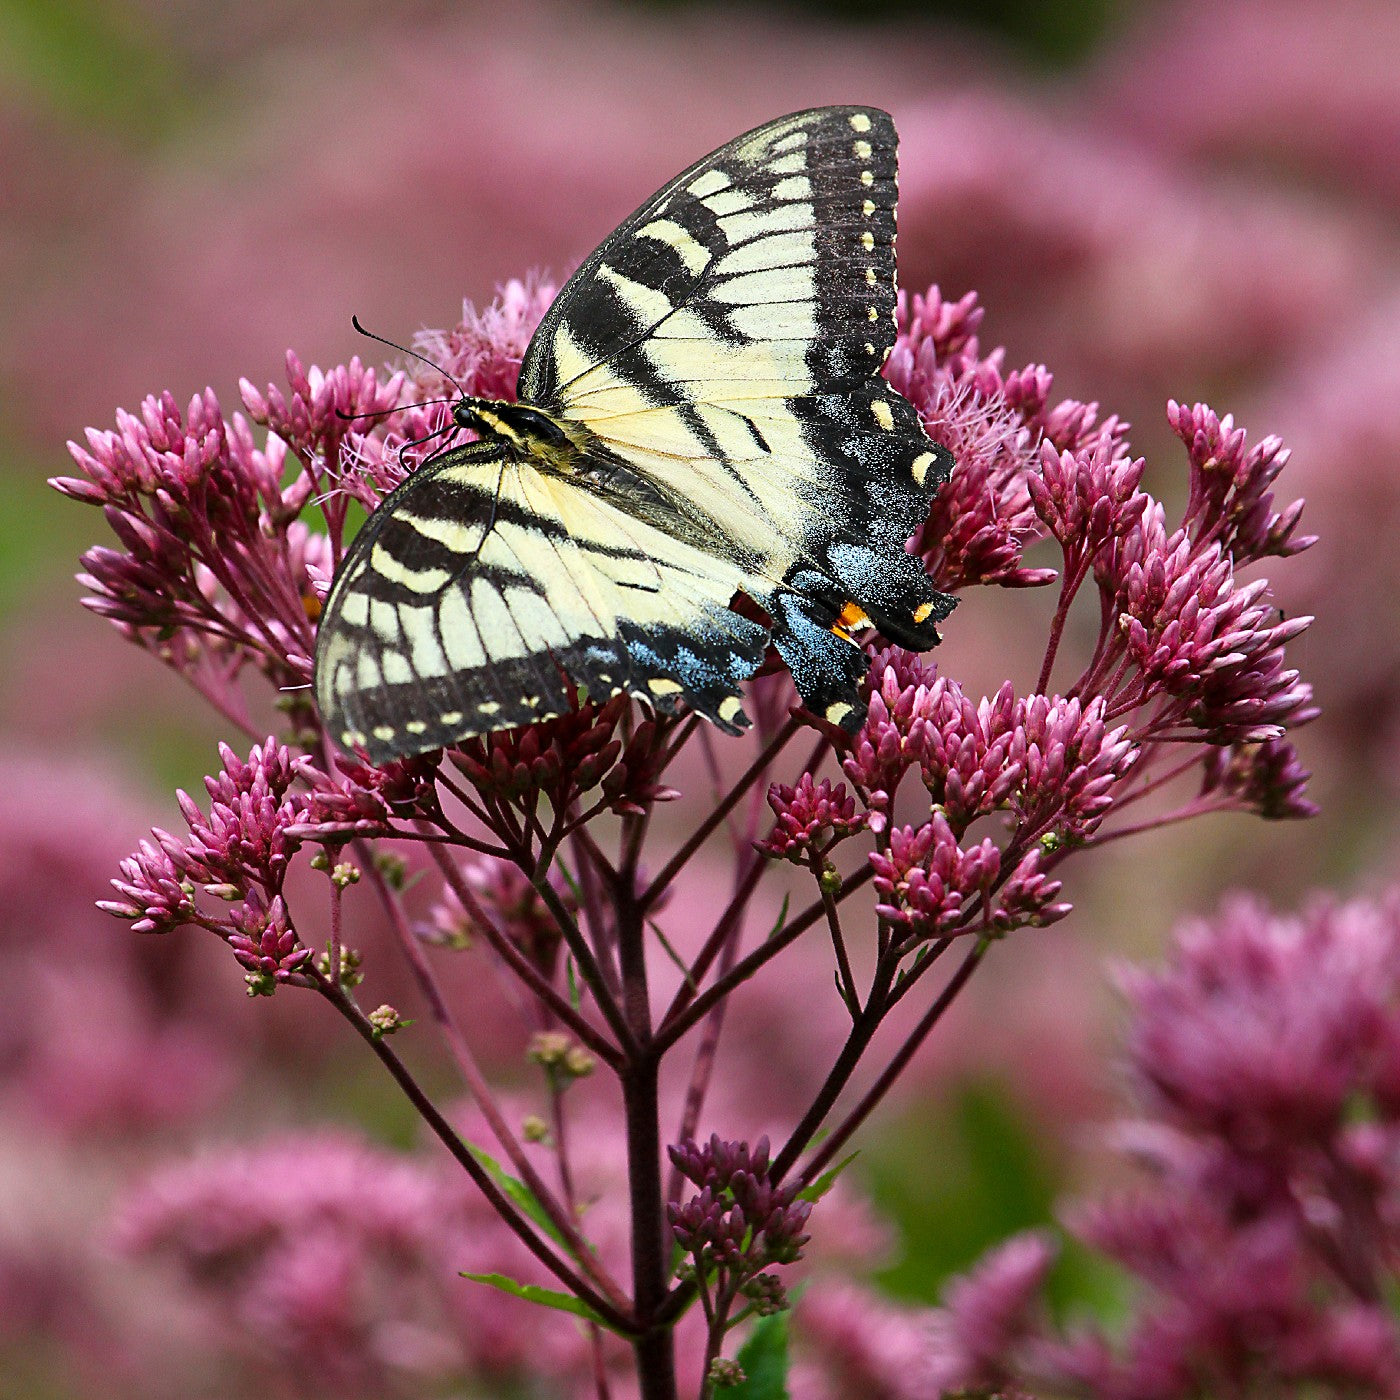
<point>959,812</point>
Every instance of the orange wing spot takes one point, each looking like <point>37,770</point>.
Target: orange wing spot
<point>852,616</point>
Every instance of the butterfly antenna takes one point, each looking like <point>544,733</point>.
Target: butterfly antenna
<point>428,437</point>
<point>380,412</point>
<point>404,350</point>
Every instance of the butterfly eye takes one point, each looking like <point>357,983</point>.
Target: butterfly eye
<point>464,414</point>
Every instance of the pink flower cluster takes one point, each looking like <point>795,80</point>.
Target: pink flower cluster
<point>1265,1232</point>
<point>1186,654</point>
<point>1185,685</point>
<point>333,1265</point>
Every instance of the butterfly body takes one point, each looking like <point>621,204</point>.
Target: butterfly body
<point>700,414</point>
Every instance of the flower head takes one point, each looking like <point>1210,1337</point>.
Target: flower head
<point>737,1220</point>
<point>809,819</point>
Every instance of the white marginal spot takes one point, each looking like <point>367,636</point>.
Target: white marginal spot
<point>659,685</point>
<point>868,208</point>
<point>837,712</point>
<point>711,182</point>
<point>691,251</point>
<point>383,732</point>
<point>921,465</point>
<point>860,122</point>
<point>867,240</point>
<point>450,718</point>
<point>488,707</point>
<point>727,202</point>
<point>728,708</point>
<point>869,276</point>
<point>794,187</point>
<point>866,178</point>
<point>862,150</point>
<point>882,413</point>
<point>872,314</point>
<point>416,726</point>
<point>869,348</point>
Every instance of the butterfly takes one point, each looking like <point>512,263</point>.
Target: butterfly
<point>700,414</point>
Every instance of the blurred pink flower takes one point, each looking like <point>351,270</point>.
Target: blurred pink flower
<point>103,1040</point>
<point>1294,89</point>
<point>334,1265</point>
<point>850,1341</point>
<point>1121,269</point>
<point>1266,1231</point>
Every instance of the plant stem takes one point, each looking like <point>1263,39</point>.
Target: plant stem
<point>1069,586</point>
<point>705,1052</point>
<point>685,1012</point>
<point>721,810</point>
<point>845,978</point>
<point>653,1344</point>
<point>522,967</point>
<point>562,1217</point>
<point>588,967</point>
<point>877,1091</point>
<point>499,1202</point>
<point>862,1032</point>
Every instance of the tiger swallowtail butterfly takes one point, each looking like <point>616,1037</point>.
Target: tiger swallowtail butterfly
<point>700,414</point>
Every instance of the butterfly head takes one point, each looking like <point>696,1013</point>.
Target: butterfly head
<point>552,444</point>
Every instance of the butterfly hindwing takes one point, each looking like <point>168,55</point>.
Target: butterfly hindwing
<point>483,589</point>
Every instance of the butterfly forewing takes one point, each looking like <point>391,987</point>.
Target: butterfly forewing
<point>726,343</point>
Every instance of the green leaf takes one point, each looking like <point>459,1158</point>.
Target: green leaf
<point>764,1358</point>
<point>825,1181</point>
<point>533,1293</point>
<point>567,876</point>
<point>675,957</point>
<point>780,920</point>
<point>520,1194</point>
